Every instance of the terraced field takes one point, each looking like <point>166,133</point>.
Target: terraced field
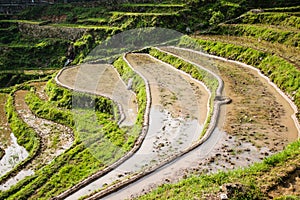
<point>155,116</point>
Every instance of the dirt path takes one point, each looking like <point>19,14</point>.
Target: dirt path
<point>55,138</point>
<point>170,130</point>
<point>103,80</point>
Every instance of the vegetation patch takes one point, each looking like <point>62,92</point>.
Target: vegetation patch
<point>25,135</point>
<point>249,183</point>
<point>8,79</point>
<point>138,86</point>
<point>104,142</point>
<point>268,18</point>
<point>261,32</point>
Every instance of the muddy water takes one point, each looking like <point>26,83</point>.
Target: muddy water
<point>102,80</point>
<point>255,98</point>
<point>178,105</point>
<point>219,152</point>
<point>213,155</point>
<point>55,139</point>
<point>13,152</point>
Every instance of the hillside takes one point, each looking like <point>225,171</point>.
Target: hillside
<point>71,132</point>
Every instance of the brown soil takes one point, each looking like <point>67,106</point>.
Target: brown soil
<point>258,113</point>
<point>101,80</point>
<point>252,96</point>
<point>4,126</point>
<point>55,138</point>
<point>40,90</point>
<point>172,89</point>
<point>282,180</point>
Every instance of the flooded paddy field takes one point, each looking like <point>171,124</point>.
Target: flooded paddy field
<point>173,125</point>
<point>103,80</point>
<point>234,143</point>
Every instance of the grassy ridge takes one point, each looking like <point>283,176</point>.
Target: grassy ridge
<point>106,143</point>
<point>18,53</point>
<point>139,88</point>
<point>269,18</point>
<point>261,32</point>
<point>25,135</point>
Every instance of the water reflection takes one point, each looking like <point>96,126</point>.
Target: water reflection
<point>14,154</point>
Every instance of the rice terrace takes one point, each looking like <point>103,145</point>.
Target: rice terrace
<point>135,99</point>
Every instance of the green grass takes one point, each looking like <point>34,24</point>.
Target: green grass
<point>94,20</point>
<point>196,186</point>
<point>139,88</point>
<point>284,9</point>
<point>8,79</point>
<point>152,5</point>
<point>25,135</point>
<point>98,142</point>
<point>20,21</point>
<point>270,34</point>
<point>18,54</point>
<point>142,13</point>
<point>84,26</point>
<point>286,20</point>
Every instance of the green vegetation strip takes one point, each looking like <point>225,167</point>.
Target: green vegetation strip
<point>108,28</point>
<point>282,19</point>
<point>78,162</point>
<point>283,9</point>
<point>197,186</point>
<point>135,134</point>
<point>138,87</point>
<point>20,21</point>
<point>25,135</point>
<point>273,35</point>
<point>152,5</point>
<point>284,74</point>
<point>143,14</point>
